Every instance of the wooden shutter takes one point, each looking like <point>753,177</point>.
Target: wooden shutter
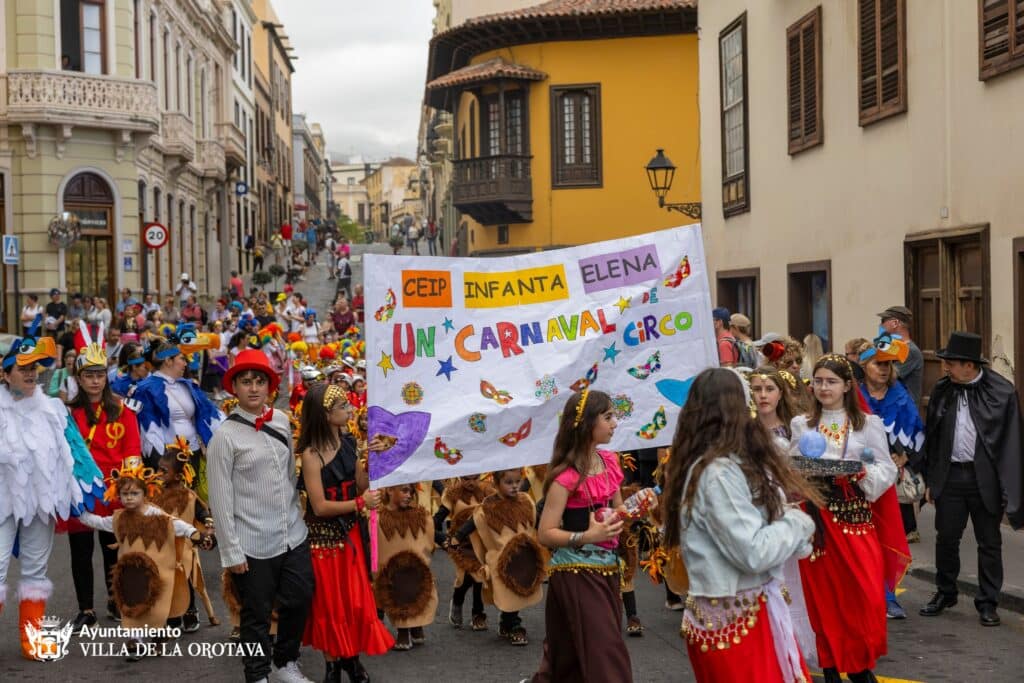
<point>882,59</point>
<point>803,56</point>
<point>1000,36</point>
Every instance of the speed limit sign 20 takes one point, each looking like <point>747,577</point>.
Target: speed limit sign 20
<point>155,235</point>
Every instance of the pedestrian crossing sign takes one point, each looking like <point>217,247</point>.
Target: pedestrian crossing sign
<point>12,254</point>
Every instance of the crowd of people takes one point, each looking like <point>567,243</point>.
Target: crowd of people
<point>779,519</point>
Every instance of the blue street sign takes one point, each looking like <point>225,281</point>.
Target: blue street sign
<point>241,188</point>
<point>12,254</point>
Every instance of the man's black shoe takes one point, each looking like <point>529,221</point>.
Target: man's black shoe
<point>988,616</point>
<point>939,602</point>
<point>190,621</point>
<point>89,619</point>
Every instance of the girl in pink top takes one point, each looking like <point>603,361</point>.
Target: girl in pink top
<point>583,614</point>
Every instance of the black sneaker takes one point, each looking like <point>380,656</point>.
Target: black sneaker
<point>113,612</point>
<point>190,621</point>
<point>84,618</point>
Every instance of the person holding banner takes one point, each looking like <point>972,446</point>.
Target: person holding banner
<point>583,613</point>
<point>343,620</point>
<point>725,507</point>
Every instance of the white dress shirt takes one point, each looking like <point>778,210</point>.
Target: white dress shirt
<point>253,494</point>
<point>965,436</point>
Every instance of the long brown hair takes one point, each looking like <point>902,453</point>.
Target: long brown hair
<point>715,423</point>
<point>841,367</point>
<point>574,441</point>
<point>108,399</point>
<point>314,429</point>
<point>786,409</point>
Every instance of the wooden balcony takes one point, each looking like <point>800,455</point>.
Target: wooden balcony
<point>494,190</point>
<point>233,140</point>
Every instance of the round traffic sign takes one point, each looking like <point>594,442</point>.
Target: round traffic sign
<point>155,235</point>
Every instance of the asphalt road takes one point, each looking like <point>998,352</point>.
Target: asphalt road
<point>953,647</point>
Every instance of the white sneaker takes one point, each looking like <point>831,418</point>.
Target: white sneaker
<point>290,673</point>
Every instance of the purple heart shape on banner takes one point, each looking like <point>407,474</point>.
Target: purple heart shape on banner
<point>409,428</point>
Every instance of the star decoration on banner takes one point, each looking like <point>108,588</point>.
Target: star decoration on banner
<point>385,363</point>
<point>610,352</point>
<point>623,304</point>
<point>446,369</point>
<point>448,324</point>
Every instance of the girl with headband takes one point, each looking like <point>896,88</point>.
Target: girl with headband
<point>583,614</point>
<point>841,578</point>
<point>342,620</point>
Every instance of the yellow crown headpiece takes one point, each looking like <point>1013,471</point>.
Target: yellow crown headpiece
<point>183,454</point>
<point>132,468</point>
<point>579,408</point>
<point>92,353</point>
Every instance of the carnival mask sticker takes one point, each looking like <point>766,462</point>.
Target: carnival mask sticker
<point>675,390</point>
<point>682,272</point>
<point>477,422</point>
<point>499,396</point>
<point>586,381</point>
<point>547,388</point>
<point>657,423</point>
<point>412,394</point>
<point>622,406</point>
<point>513,438</point>
<point>408,431</point>
<point>652,365</point>
<point>444,452</point>
<point>385,312</point>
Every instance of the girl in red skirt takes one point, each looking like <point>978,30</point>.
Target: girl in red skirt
<point>725,508</point>
<point>343,618</point>
<point>843,579</point>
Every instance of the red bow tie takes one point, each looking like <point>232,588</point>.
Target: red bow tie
<point>265,418</point>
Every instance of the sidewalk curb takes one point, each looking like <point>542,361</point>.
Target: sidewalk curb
<point>1011,599</point>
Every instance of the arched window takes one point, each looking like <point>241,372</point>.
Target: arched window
<point>89,263</point>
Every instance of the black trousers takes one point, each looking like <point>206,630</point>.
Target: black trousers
<point>509,620</point>
<point>961,499</point>
<point>909,516</point>
<point>287,582</point>
<point>459,596</point>
<point>82,545</point>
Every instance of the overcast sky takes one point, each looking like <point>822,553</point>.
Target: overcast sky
<point>360,71</point>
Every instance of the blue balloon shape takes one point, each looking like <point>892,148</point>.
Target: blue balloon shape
<point>812,445</point>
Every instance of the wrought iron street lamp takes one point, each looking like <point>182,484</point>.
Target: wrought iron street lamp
<point>660,174</point>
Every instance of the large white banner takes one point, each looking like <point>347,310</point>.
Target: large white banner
<point>471,359</point>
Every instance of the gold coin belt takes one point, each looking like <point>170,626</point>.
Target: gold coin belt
<point>852,516</point>
<point>726,624</point>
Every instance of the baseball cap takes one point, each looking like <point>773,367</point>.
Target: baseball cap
<point>54,291</point>
<point>901,313</point>
<point>721,313</point>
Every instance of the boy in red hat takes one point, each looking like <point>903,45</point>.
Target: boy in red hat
<point>251,469</point>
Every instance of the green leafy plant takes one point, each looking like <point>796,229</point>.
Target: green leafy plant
<point>276,270</point>
<point>262,277</point>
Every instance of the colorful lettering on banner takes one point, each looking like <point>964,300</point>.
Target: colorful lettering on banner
<point>515,288</point>
<point>426,289</point>
<point>477,352</point>
<point>614,271</point>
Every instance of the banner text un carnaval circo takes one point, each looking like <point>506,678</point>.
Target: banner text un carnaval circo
<point>473,359</point>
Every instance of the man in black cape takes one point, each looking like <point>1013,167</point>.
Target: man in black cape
<point>972,464</point>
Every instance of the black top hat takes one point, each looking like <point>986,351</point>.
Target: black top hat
<point>963,346</point>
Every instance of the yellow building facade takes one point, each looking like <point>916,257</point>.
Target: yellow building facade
<point>552,136</point>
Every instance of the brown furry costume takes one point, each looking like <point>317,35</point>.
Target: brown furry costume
<point>461,497</point>
<point>146,586</point>
<point>405,588</point>
<point>513,560</point>
<point>181,503</point>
